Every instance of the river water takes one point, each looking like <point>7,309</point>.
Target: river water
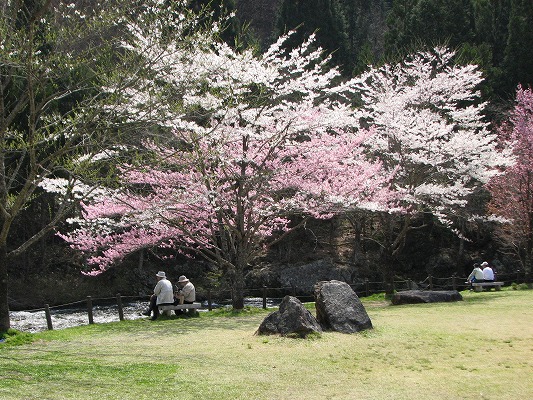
<point>35,321</point>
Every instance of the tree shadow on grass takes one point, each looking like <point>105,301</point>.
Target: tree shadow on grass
<point>482,297</point>
<point>212,320</point>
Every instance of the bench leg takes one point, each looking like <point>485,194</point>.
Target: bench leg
<point>497,287</point>
<point>478,288</point>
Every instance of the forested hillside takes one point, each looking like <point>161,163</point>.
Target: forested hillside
<point>494,34</point>
<point>497,35</point>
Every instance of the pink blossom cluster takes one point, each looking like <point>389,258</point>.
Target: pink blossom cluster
<point>291,149</point>
<point>252,140</point>
<point>512,192</point>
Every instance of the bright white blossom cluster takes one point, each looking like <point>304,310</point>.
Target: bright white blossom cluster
<point>259,138</point>
<point>429,122</point>
<point>266,136</point>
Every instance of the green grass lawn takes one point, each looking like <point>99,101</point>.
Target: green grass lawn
<point>480,348</point>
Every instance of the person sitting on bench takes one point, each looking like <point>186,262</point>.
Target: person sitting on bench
<point>162,295</point>
<point>488,273</point>
<point>185,293</point>
<point>475,276</point>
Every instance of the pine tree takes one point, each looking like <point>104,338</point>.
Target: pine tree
<point>416,23</point>
<point>365,29</point>
<point>325,18</point>
<point>518,61</point>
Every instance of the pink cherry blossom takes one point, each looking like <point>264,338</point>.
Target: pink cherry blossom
<point>266,137</point>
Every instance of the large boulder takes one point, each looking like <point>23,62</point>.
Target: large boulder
<point>292,319</point>
<point>425,296</point>
<point>339,309</point>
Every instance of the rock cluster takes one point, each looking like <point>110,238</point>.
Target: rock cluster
<point>338,309</point>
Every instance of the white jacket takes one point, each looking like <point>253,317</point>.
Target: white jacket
<point>163,291</point>
<point>488,274</point>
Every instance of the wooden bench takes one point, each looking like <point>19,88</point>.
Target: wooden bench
<point>478,286</point>
<point>166,309</point>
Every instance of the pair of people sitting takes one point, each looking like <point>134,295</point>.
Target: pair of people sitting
<point>164,294</point>
<point>481,273</point>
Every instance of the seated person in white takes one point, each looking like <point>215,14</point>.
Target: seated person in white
<point>163,294</point>
<point>476,275</point>
<point>185,292</point>
<point>488,273</point>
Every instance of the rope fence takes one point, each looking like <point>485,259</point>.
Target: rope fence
<point>265,296</point>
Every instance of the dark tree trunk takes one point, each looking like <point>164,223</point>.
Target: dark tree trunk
<point>4,303</point>
<point>237,290</point>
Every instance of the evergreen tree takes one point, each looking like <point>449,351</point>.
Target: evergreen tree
<point>428,23</point>
<point>323,17</point>
<point>491,18</point>
<point>518,62</point>
<point>365,29</point>
<point>490,33</point>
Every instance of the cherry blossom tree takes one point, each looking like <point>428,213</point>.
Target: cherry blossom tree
<point>512,192</point>
<point>245,142</point>
<point>429,124</point>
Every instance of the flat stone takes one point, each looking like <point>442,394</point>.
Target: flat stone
<point>425,296</point>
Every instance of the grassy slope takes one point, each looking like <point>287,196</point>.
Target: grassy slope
<point>481,348</point>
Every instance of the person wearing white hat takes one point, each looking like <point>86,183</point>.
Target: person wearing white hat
<point>185,292</point>
<point>488,273</point>
<point>163,295</point>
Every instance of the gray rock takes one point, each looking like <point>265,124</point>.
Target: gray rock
<point>292,319</point>
<point>339,309</point>
<point>425,296</point>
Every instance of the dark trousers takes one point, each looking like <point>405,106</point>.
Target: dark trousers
<point>154,306</point>
<point>177,302</point>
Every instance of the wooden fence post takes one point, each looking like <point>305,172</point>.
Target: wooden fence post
<point>90,309</point>
<point>209,300</point>
<point>454,282</point>
<point>120,309</point>
<point>264,298</point>
<point>48,317</point>
<point>367,288</point>
<point>430,282</point>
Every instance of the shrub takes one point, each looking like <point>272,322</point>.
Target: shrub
<point>520,286</point>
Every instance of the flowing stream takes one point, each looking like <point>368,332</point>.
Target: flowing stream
<point>35,321</point>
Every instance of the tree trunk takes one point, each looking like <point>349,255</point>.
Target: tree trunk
<point>237,290</point>
<point>527,267</point>
<point>4,303</point>
<point>387,265</point>
<point>461,250</point>
<point>389,247</point>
